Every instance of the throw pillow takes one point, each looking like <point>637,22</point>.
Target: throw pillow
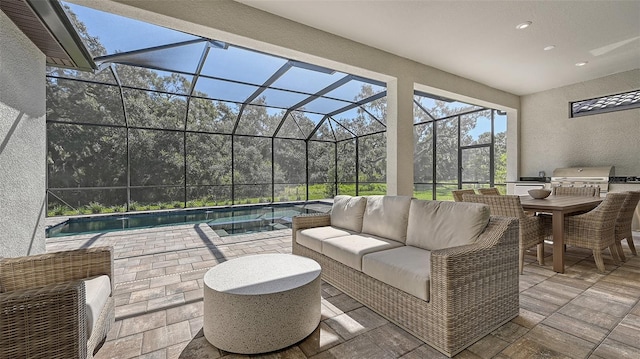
<point>347,212</point>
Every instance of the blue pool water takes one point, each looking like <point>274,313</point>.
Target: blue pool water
<point>224,221</point>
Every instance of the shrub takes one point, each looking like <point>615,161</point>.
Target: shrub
<point>59,210</point>
<point>177,204</point>
<point>134,206</point>
<point>119,208</point>
<point>162,205</point>
<point>95,207</point>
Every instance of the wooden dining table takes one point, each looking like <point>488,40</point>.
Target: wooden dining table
<point>559,207</point>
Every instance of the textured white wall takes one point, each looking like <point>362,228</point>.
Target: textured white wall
<point>22,143</point>
<point>550,139</point>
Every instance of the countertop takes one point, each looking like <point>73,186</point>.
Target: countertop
<point>612,180</point>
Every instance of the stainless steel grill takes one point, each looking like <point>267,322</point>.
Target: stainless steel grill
<point>583,177</point>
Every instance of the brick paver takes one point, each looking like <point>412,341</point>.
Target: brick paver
<point>158,293</point>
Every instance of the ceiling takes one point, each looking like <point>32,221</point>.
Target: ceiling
<point>25,18</point>
<point>479,40</point>
<point>53,34</point>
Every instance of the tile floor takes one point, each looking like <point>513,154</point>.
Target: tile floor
<point>158,293</point>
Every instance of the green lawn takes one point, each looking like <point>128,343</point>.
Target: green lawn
<point>293,193</point>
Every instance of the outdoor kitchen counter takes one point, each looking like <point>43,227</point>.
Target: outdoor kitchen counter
<point>622,187</point>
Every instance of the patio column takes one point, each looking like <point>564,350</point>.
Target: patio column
<point>400,137</point>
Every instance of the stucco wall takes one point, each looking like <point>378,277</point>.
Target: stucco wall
<point>22,143</point>
<point>550,139</point>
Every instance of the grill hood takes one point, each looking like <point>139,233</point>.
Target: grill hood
<point>585,172</point>
<point>583,177</point>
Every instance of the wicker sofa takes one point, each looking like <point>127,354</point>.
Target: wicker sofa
<point>447,272</point>
<point>56,305</point>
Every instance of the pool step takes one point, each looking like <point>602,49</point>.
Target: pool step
<point>278,226</point>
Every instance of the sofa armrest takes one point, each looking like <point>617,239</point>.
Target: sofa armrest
<point>309,221</point>
<point>590,222</point>
<point>56,267</point>
<point>467,275</point>
<point>49,322</point>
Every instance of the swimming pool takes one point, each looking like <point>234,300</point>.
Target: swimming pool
<point>225,221</point>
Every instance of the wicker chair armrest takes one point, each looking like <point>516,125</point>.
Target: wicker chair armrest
<point>493,258</point>
<point>590,221</point>
<point>310,221</point>
<point>56,267</point>
<point>532,226</point>
<point>45,322</point>
<point>584,223</point>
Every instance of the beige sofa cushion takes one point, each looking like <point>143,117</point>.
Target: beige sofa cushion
<point>350,249</point>
<point>436,224</point>
<point>406,268</point>
<point>386,216</point>
<point>347,212</point>
<point>97,292</point>
<point>312,237</point>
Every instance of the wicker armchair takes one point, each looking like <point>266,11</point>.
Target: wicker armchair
<point>531,227</point>
<point>623,223</point>
<point>491,191</point>
<point>43,308</point>
<point>576,191</point>
<point>595,229</point>
<point>457,194</point>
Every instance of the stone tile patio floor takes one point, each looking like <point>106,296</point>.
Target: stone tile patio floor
<point>158,294</point>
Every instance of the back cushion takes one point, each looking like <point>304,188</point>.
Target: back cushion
<point>386,216</point>
<point>347,212</point>
<point>435,224</point>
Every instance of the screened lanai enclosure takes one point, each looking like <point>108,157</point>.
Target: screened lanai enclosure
<point>172,120</point>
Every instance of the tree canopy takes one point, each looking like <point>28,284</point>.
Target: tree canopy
<point>135,137</point>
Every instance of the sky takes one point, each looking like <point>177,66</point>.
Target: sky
<point>120,34</point>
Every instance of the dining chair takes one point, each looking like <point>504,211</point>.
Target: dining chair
<point>595,229</point>
<point>531,229</point>
<point>457,194</point>
<point>576,191</point>
<point>491,191</point>
<point>567,191</point>
<point>623,223</point>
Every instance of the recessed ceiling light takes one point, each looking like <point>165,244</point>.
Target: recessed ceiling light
<point>579,64</point>
<point>524,25</point>
<point>550,47</point>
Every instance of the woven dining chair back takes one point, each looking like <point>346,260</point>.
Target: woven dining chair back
<point>531,227</point>
<point>491,191</point>
<point>457,194</point>
<point>576,191</point>
<point>595,229</point>
<point>623,223</point>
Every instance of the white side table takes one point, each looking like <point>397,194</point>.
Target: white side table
<point>261,303</point>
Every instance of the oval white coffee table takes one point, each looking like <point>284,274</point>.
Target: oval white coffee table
<point>261,303</point>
